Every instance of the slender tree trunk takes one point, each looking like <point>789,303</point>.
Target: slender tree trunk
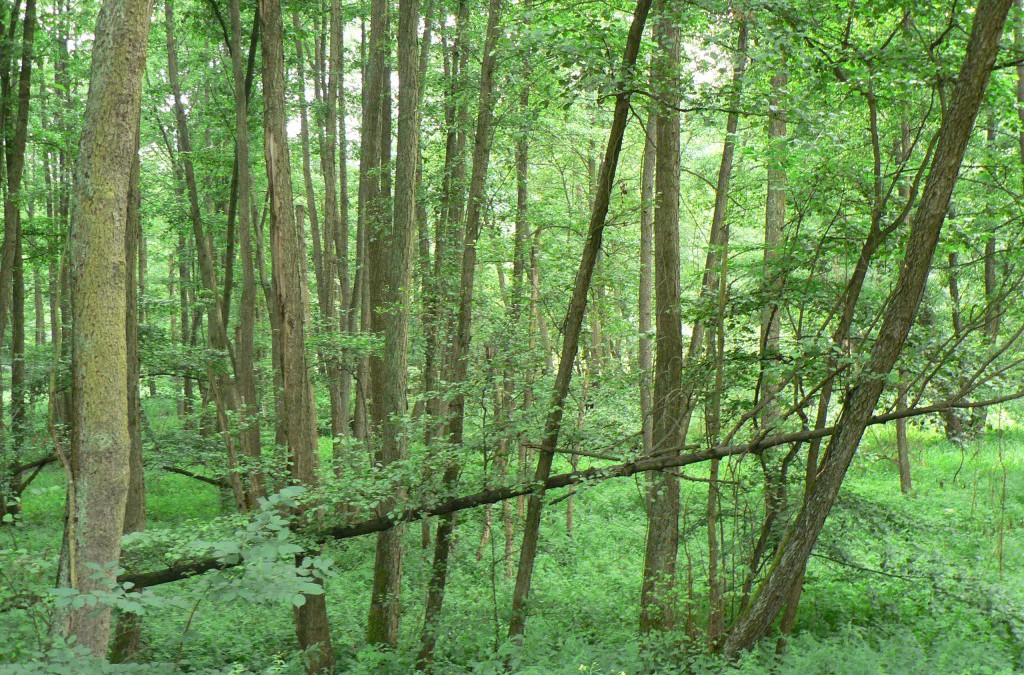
<point>184,312</point>
<point>39,339</point>
<point>645,357</point>
<point>713,428</point>
<point>775,490</point>
<point>222,387</point>
<point>439,296</point>
<point>902,444</point>
<point>774,224</point>
<point>348,315</point>
<point>657,602</point>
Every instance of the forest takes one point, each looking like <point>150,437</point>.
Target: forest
<point>512,336</point>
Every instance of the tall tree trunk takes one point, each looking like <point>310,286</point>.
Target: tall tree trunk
<point>715,286</point>
<point>297,390</point>
<point>371,219</point>
<point>774,224</point>
<point>645,356</point>
<point>348,315</point>
<point>770,386</point>
<point>245,362</point>
<point>662,544</point>
<point>438,296</point>
<point>902,444</point>
<point>522,286</point>
<point>573,324</point>
<point>458,364</point>
<point>338,389</point>
<point>323,259</point>
<point>389,404</point>
<point>39,339</point>
<point>101,445</point>
<point>184,312</point>
<point>954,133</point>
<point>12,274</point>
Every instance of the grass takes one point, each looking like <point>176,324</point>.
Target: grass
<point>926,583</point>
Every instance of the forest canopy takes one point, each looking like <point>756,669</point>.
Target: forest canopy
<point>501,336</point>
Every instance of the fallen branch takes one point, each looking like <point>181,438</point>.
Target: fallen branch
<point>216,482</point>
<point>499,494</point>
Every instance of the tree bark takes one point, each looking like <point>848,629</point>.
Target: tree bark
<point>128,635</point>
<point>101,445</point>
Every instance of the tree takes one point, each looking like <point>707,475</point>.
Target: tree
<point>290,305</point>
<point>100,443</point>
<point>458,365</point>
<point>662,545</point>
<point>392,259</point>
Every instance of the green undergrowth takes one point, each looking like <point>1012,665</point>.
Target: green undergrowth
<point>929,582</point>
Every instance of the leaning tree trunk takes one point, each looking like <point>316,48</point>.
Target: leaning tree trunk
<point>100,443</point>
<point>790,562</point>
<point>573,324</point>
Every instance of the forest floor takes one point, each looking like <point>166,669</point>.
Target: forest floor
<point>930,583</point>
